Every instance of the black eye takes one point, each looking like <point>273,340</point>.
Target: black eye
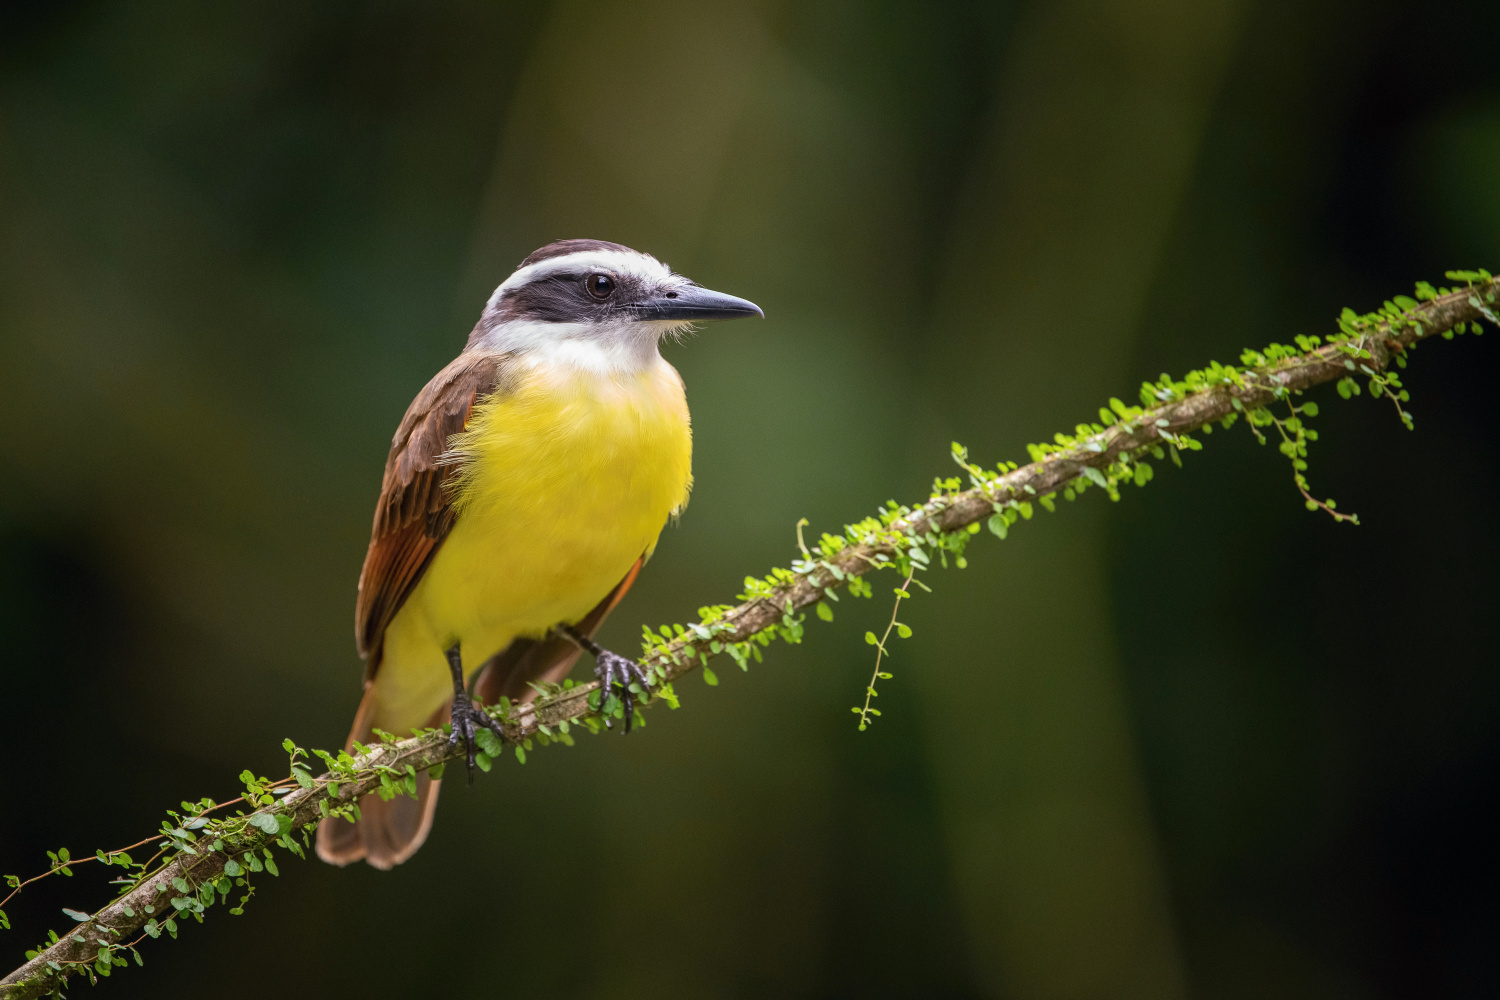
<point>600,286</point>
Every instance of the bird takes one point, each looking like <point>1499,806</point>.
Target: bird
<point>525,487</point>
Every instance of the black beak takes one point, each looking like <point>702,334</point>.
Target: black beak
<point>690,302</point>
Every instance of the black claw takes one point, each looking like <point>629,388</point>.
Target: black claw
<point>463,731</point>
<point>616,674</point>
<point>466,715</point>
<point>467,718</point>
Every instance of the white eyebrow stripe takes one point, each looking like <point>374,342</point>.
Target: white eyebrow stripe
<point>638,265</point>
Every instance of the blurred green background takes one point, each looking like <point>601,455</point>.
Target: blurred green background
<point>1199,743</point>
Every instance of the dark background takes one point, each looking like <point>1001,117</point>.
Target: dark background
<point>1197,743</point>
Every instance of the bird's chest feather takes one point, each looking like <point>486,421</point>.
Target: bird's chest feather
<point>566,480</point>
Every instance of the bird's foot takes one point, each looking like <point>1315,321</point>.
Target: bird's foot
<point>616,674</point>
<point>467,719</point>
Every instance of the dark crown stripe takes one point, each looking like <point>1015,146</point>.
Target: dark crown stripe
<point>562,248</point>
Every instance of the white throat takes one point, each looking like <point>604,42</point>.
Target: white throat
<point>617,349</point>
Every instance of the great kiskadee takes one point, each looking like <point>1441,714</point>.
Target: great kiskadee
<point>524,489</point>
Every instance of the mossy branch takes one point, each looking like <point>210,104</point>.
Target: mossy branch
<point>200,855</point>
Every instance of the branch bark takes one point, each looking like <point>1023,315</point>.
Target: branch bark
<point>1256,387</point>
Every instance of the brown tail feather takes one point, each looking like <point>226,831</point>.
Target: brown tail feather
<point>387,832</point>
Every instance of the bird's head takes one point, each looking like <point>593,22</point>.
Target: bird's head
<point>596,304</point>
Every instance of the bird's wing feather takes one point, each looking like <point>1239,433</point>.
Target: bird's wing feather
<point>415,511</point>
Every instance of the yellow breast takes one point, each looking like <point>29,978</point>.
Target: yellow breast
<point>567,479</point>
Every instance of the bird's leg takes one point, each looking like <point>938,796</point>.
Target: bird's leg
<point>466,716</point>
<point>615,672</point>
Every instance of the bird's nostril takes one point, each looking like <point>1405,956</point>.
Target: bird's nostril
<point>671,295</point>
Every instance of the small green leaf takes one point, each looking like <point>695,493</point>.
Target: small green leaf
<point>824,611</point>
<point>489,742</point>
<point>870,639</point>
<point>233,868</point>
<point>904,631</point>
<point>271,866</point>
<point>710,678</point>
<point>76,915</point>
<point>482,760</point>
<point>265,822</point>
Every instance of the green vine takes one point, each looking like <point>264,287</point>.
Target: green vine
<point>865,712</point>
<point>204,853</point>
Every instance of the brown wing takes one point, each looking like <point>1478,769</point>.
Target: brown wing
<point>414,513</point>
